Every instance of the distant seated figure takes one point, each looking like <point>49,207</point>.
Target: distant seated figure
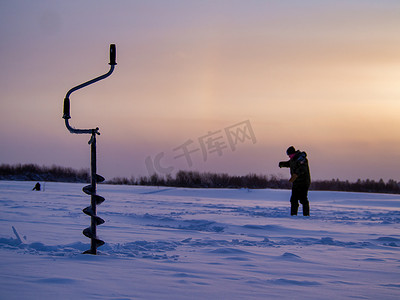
<point>36,187</point>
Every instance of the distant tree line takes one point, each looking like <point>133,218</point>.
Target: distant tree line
<point>193,179</point>
<point>366,186</point>
<point>33,172</point>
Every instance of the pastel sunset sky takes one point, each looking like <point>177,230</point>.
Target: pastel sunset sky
<point>323,76</point>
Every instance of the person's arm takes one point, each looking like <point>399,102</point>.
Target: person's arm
<point>284,164</point>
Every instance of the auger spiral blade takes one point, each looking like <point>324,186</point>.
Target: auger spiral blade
<point>99,178</point>
<point>88,190</point>
<point>89,233</point>
<point>89,211</point>
<point>94,252</point>
<point>99,199</point>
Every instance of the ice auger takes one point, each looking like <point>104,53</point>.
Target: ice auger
<point>91,231</point>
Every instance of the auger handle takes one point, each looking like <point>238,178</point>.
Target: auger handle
<point>67,104</point>
<point>113,55</point>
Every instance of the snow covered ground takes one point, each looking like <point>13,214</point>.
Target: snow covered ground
<point>175,243</point>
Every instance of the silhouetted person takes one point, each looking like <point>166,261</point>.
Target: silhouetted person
<point>300,179</point>
<point>36,187</point>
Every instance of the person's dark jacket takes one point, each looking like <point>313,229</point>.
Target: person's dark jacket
<point>299,169</point>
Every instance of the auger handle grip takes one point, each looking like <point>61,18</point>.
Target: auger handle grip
<point>113,55</point>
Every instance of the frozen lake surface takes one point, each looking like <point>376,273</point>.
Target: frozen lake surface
<point>176,243</point>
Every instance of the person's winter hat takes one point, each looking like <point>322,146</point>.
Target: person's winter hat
<point>290,150</point>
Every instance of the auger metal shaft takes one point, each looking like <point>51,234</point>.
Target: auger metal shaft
<point>93,204</point>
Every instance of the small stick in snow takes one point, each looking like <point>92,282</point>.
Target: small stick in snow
<point>17,235</point>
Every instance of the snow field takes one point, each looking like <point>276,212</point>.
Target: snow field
<point>175,243</point>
